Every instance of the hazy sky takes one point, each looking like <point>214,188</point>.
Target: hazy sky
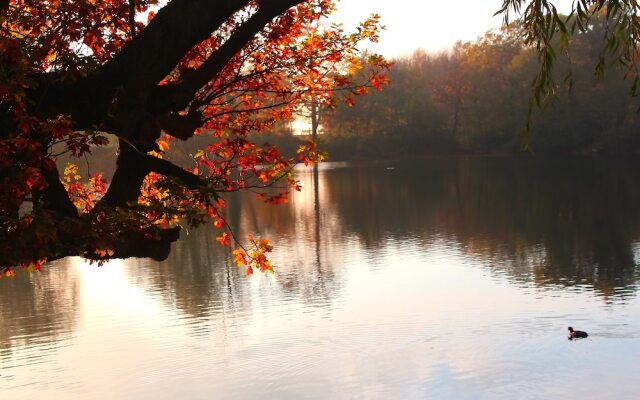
<point>432,25</point>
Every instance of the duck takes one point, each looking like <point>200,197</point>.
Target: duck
<point>576,334</point>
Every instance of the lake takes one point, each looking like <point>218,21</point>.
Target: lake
<point>443,278</point>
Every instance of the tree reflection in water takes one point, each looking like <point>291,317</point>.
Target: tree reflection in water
<point>36,310</point>
<point>557,224</point>
<point>200,278</point>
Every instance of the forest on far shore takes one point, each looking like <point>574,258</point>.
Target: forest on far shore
<point>474,99</point>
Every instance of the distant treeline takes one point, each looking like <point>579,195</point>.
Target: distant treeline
<point>475,99</point>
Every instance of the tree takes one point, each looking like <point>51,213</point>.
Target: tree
<point>74,73</point>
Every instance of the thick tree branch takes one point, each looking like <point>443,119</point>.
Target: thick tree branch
<point>176,97</point>
<point>169,169</point>
<point>127,180</point>
<point>180,126</point>
<point>136,244</point>
<point>137,68</point>
<point>54,197</point>
<point>175,30</point>
<point>133,167</point>
<point>130,80</point>
<point>154,243</point>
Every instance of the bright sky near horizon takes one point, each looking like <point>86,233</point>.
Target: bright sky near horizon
<point>427,24</point>
<point>412,24</point>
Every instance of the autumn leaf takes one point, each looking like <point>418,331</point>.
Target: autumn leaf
<point>224,239</point>
<point>163,145</point>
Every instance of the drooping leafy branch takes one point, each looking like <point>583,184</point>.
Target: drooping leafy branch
<point>550,32</point>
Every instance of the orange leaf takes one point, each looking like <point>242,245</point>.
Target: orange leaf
<point>163,144</point>
<point>224,239</point>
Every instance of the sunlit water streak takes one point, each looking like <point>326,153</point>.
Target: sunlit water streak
<point>435,292</point>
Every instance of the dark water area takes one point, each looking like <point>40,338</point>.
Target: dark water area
<point>441,278</point>
<point>556,222</point>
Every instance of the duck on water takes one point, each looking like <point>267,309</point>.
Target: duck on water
<point>573,334</point>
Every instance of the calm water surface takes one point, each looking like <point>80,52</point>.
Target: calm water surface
<point>447,279</point>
